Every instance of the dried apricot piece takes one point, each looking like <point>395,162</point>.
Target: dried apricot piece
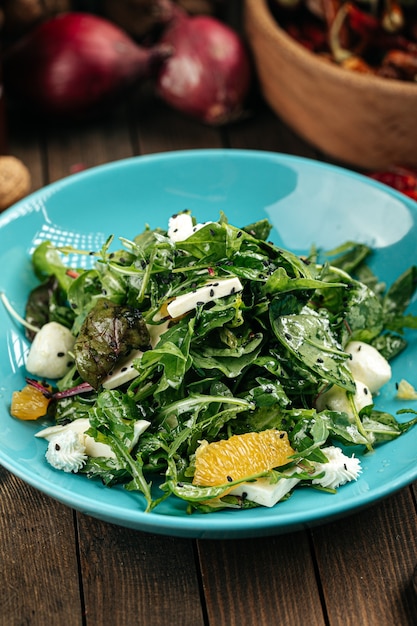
<point>29,403</point>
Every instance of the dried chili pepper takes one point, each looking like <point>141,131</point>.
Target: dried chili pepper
<point>401,178</point>
<point>362,23</point>
<point>404,62</point>
<point>363,36</point>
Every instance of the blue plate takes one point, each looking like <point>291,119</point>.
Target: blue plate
<point>307,202</point>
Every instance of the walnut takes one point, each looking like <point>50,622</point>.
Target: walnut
<point>15,181</point>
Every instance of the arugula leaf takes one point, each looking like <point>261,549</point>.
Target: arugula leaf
<point>112,422</point>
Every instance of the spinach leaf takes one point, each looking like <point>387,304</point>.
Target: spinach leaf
<point>109,332</point>
<point>47,303</point>
<point>309,339</point>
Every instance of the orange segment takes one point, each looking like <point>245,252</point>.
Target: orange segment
<point>29,403</point>
<point>240,456</point>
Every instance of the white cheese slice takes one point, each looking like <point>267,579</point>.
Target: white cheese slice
<point>207,293</point>
<point>265,493</point>
<point>368,365</point>
<point>180,227</point>
<point>124,372</point>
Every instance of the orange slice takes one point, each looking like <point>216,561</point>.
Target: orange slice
<point>240,456</point>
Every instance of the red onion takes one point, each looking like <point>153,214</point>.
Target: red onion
<point>209,73</point>
<point>71,63</point>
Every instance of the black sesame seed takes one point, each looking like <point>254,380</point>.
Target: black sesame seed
<point>365,391</point>
<point>229,479</point>
<point>60,354</point>
<point>320,360</point>
<point>281,435</point>
<point>233,290</point>
<point>211,293</point>
<point>124,369</point>
<point>199,303</point>
<point>57,447</point>
<point>239,234</point>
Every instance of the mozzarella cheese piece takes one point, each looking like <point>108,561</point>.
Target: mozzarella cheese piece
<point>368,365</point>
<point>207,293</point>
<point>92,447</point>
<point>265,493</point>
<point>48,355</point>
<point>336,399</point>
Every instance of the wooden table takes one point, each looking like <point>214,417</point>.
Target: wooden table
<point>59,567</point>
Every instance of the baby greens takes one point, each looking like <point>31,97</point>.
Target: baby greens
<point>251,360</point>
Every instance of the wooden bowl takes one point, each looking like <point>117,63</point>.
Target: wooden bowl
<point>361,120</point>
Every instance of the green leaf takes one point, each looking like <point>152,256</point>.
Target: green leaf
<point>108,333</point>
<point>309,339</point>
<point>47,261</point>
<point>170,357</point>
<point>259,230</point>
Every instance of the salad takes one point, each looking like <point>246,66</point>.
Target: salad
<point>203,362</point>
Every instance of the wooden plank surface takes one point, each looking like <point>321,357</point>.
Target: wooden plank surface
<point>366,563</point>
<point>38,564</point>
<point>128,574</point>
<point>247,581</point>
